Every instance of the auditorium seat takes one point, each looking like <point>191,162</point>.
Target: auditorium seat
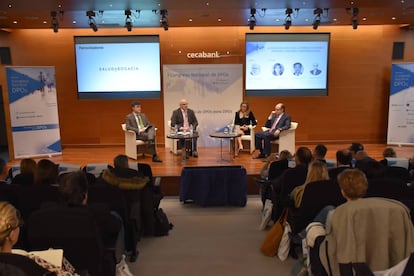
<point>287,138</point>
<point>134,146</point>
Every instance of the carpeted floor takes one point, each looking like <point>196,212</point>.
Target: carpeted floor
<point>209,241</point>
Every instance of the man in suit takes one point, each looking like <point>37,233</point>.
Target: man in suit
<point>138,122</point>
<point>277,122</point>
<point>184,118</point>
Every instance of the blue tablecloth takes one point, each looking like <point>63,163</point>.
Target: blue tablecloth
<point>214,186</point>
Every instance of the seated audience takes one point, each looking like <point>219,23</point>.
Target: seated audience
<point>354,148</point>
<point>374,231</point>
<point>10,224</point>
<point>371,167</point>
<point>319,153</point>
<point>27,171</point>
<point>343,162</point>
<point>46,173</point>
<point>388,152</point>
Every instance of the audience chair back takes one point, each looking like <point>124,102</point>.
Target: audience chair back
<point>72,229</point>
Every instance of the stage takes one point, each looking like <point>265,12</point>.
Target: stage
<point>170,169</point>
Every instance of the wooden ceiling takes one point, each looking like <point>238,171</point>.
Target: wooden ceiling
<point>17,14</point>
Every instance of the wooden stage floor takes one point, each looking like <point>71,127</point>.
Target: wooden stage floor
<point>172,165</point>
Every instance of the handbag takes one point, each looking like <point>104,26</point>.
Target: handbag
<point>284,246</point>
<point>272,240</point>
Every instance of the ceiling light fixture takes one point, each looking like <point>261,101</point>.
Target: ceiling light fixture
<point>288,19</point>
<point>317,21</point>
<point>55,22</point>
<point>128,20</point>
<point>91,21</point>
<point>164,19</point>
<point>354,21</point>
<point>252,19</point>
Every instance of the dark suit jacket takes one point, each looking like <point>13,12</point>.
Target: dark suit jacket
<point>178,119</point>
<point>131,124</point>
<point>283,124</point>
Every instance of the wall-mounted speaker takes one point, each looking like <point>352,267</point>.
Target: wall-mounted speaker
<point>5,56</point>
<point>398,50</point>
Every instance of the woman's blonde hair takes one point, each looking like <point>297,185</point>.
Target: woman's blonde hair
<point>9,220</point>
<point>316,171</point>
<point>247,108</point>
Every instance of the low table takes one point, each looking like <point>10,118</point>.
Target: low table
<point>230,136</point>
<point>181,136</point>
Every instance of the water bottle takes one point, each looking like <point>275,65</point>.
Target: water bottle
<point>191,130</point>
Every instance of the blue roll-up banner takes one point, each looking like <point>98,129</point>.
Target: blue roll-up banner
<point>33,111</point>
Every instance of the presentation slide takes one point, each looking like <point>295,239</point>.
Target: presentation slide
<point>117,67</point>
<point>287,65</point>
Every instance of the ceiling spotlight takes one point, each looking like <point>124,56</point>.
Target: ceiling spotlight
<point>128,20</point>
<point>164,19</point>
<point>55,22</point>
<point>252,19</point>
<point>91,21</point>
<point>288,19</point>
<point>317,21</point>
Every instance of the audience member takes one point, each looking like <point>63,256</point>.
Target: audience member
<point>73,187</point>
<point>343,162</point>
<point>138,122</point>
<point>388,152</point>
<point>10,224</point>
<point>290,178</point>
<point>3,171</point>
<point>319,153</point>
<point>27,171</point>
<point>317,171</point>
<point>46,173</point>
<point>185,119</point>
<point>374,231</point>
<point>354,148</point>
<point>371,167</point>
<point>138,190</point>
<point>245,119</point>
<point>278,163</point>
<point>277,122</point>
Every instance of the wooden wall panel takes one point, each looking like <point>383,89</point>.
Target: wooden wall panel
<point>356,108</point>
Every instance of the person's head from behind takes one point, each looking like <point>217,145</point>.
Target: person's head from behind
<point>344,157</point>
<point>136,107</point>
<point>73,187</point>
<point>3,169</point>
<point>317,171</point>
<point>183,104</point>
<point>28,165</point>
<point>46,172</point>
<point>303,156</point>
<point>355,147</point>
<point>389,152</point>
<point>10,223</point>
<point>285,154</point>
<point>353,184</point>
<point>121,161</point>
<point>319,151</point>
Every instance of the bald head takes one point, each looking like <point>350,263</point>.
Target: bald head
<point>184,104</point>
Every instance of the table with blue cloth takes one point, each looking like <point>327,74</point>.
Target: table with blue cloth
<point>214,186</point>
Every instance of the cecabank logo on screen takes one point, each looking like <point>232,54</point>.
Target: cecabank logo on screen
<point>203,54</point>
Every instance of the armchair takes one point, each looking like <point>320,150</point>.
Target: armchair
<point>132,145</point>
<point>250,138</point>
<point>287,138</point>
